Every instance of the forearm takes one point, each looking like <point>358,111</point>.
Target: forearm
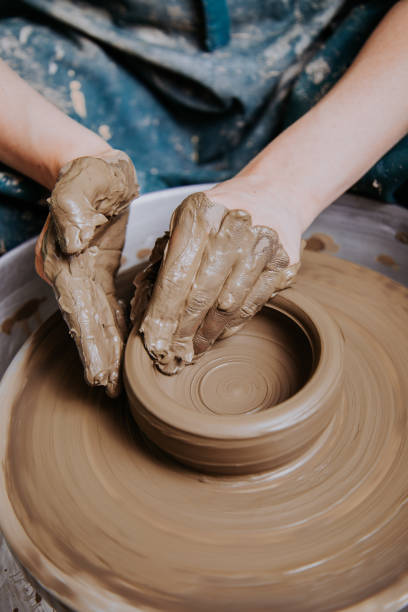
<point>326,151</point>
<point>36,138</point>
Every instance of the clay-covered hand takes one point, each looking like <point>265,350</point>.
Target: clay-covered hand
<point>215,271</point>
<point>79,252</point>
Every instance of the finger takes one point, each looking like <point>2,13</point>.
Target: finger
<point>116,337</point>
<point>268,284</point>
<point>95,331</point>
<point>119,175</point>
<point>114,331</point>
<point>76,238</point>
<point>211,328</point>
<point>89,192</point>
<point>222,251</point>
<point>144,281</point>
<point>220,324</point>
<point>109,241</point>
<point>76,305</point>
<point>193,222</point>
<point>251,280</point>
<point>254,259</point>
<point>94,318</point>
<point>112,236</point>
<point>106,247</point>
<point>74,218</point>
<point>39,251</point>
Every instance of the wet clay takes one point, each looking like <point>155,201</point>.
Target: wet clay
<point>402,237</point>
<point>27,310</point>
<point>264,365</point>
<point>90,191</point>
<point>144,253</point>
<point>80,252</point>
<point>386,260</point>
<point>321,242</point>
<point>259,368</point>
<point>217,272</point>
<point>103,518</point>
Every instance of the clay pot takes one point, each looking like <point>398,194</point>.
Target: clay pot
<point>257,400</point>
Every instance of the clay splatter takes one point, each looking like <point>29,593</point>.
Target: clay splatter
<point>321,242</point>
<point>78,98</point>
<point>402,237</point>
<point>387,260</point>
<point>144,253</point>
<point>25,311</point>
<point>105,132</point>
<point>377,185</point>
<point>318,70</point>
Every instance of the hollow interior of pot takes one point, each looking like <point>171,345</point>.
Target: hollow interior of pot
<point>265,363</point>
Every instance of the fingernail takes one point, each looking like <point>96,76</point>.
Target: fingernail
<point>100,378</point>
<point>113,378</point>
<point>226,303</point>
<point>171,367</point>
<point>158,350</point>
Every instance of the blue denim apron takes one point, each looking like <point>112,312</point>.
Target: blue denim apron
<point>190,89</point>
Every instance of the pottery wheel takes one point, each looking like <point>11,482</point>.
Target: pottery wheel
<point>106,522</point>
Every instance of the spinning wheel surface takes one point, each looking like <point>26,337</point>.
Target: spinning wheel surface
<point>105,521</point>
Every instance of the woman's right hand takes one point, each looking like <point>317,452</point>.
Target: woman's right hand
<point>79,252</point>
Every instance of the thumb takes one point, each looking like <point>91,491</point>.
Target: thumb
<point>38,253</point>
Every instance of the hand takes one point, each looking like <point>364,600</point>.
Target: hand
<point>79,251</point>
<point>215,271</point>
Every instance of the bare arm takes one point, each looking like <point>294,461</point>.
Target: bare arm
<point>327,150</point>
<point>284,188</point>
<point>36,138</point>
<point>92,187</point>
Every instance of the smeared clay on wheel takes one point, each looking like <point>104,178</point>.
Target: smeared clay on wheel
<point>218,270</point>
<point>107,521</point>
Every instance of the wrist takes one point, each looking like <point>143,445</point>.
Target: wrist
<point>269,196</point>
<point>288,179</point>
<point>268,204</point>
<point>89,145</point>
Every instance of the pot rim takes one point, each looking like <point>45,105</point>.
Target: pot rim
<point>327,344</point>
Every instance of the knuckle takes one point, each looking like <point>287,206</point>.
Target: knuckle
<point>238,215</point>
<point>169,285</point>
<point>249,309</point>
<point>197,302</point>
<point>227,303</point>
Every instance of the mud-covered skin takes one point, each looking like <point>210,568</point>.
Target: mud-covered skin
<point>218,270</point>
<point>79,254</point>
<point>90,191</point>
<point>144,281</point>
